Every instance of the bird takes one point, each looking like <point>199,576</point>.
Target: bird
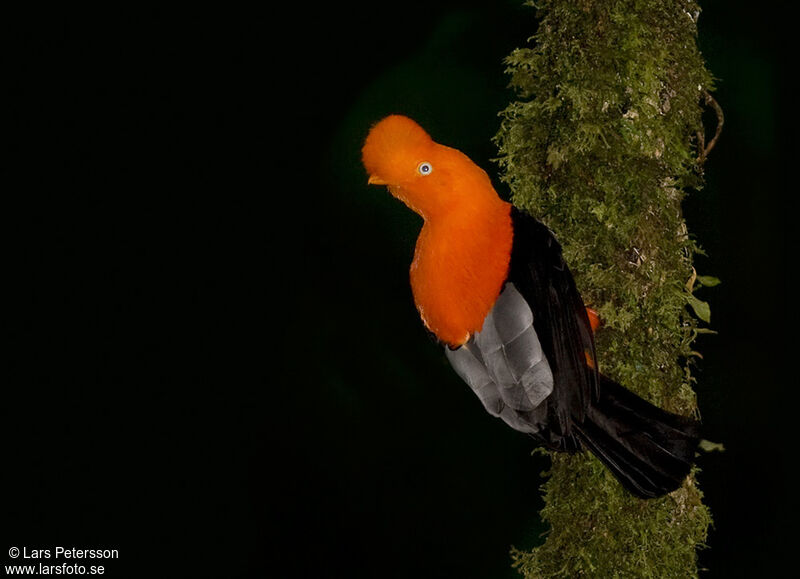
<point>491,285</point>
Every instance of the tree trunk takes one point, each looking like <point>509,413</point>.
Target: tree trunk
<point>602,144</point>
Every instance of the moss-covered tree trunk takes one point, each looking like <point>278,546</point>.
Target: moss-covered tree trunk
<point>602,145</point>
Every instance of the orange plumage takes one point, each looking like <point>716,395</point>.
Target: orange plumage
<point>462,253</point>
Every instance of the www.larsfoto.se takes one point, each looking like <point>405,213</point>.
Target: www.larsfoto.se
<point>62,569</point>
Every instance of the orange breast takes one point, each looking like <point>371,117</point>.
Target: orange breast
<point>459,268</point>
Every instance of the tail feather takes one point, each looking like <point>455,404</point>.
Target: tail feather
<point>648,449</point>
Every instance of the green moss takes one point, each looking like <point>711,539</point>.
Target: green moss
<point>601,145</point>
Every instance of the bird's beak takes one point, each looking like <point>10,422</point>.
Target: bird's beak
<point>373,180</point>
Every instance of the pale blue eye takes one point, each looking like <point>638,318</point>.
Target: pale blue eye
<point>425,168</point>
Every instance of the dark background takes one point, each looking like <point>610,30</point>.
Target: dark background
<point>216,366</point>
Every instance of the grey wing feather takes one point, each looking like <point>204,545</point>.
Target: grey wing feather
<point>504,364</point>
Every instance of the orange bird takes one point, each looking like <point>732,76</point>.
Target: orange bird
<point>489,281</point>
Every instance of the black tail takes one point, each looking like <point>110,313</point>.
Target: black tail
<point>648,449</point>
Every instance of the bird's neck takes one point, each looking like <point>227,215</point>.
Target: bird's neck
<point>460,265</point>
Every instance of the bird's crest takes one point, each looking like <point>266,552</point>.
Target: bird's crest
<point>392,145</point>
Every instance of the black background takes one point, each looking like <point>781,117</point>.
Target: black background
<point>216,366</point>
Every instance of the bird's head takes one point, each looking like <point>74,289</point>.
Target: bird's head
<point>428,177</point>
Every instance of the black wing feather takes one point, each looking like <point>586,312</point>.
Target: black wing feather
<point>540,274</point>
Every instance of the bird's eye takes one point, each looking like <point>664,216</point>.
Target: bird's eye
<point>425,168</point>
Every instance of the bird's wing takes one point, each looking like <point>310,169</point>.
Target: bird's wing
<point>562,325</point>
<point>505,365</point>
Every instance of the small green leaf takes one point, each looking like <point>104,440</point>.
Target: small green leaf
<point>709,446</point>
<point>701,309</point>
<point>708,280</point>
